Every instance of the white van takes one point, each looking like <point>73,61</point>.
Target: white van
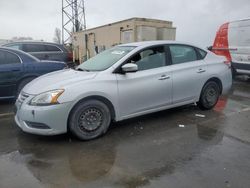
<point>233,41</point>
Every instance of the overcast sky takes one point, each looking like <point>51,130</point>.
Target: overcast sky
<point>196,20</point>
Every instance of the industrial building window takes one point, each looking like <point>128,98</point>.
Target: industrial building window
<point>150,58</point>
<point>182,54</point>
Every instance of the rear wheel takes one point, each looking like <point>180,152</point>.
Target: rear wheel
<point>89,119</point>
<point>234,72</point>
<point>209,95</point>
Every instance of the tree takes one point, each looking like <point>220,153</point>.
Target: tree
<point>57,37</point>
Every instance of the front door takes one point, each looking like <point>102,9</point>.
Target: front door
<point>147,89</point>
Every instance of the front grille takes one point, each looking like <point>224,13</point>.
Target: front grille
<point>22,97</point>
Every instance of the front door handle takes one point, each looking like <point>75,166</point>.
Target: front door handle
<point>164,77</point>
<point>201,71</point>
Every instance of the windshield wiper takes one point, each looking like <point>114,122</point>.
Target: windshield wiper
<point>80,69</point>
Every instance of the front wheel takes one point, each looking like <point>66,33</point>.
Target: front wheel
<point>209,96</point>
<point>89,119</point>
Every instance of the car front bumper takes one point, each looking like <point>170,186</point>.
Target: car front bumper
<point>43,120</point>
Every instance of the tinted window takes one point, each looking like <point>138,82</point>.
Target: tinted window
<point>51,48</point>
<point>8,58</point>
<point>149,58</point>
<point>34,48</point>
<point>15,46</point>
<point>182,54</point>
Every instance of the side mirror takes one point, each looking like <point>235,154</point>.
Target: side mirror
<point>129,67</point>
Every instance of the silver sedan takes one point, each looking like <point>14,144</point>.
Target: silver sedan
<point>120,83</point>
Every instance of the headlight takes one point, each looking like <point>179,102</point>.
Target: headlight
<point>47,98</point>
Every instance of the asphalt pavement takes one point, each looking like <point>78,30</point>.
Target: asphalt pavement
<point>179,148</point>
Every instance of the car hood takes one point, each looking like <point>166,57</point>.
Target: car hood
<point>57,80</point>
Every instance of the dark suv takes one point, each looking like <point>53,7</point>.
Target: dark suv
<point>43,50</point>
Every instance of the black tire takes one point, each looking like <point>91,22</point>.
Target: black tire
<point>89,119</point>
<point>234,72</point>
<point>209,95</point>
<point>23,83</point>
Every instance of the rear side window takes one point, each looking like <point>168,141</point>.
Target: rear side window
<point>202,53</point>
<point>52,48</point>
<point>182,54</point>
<point>34,48</point>
<point>8,58</point>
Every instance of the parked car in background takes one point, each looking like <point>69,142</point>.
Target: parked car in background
<point>233,41</point>
<point>17,68</point>
<point>120,83</point>
<point>44,50</point>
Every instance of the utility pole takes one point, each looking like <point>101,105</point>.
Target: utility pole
<point>73,18</point>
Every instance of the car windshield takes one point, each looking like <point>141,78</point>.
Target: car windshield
<point>105,59</point>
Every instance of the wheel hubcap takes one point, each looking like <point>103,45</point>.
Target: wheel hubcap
<point>211,95</point>
<point>90,119</point>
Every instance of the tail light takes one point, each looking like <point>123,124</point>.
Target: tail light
<point>70,56</point>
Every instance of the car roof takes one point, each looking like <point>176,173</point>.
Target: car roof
<point>12,50</point>
<point>158,42</point>
<point>34,42</point>
<point>19,53</point>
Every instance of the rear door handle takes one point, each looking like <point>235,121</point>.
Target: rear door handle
<point>164,77</point>
<point>201,71</point>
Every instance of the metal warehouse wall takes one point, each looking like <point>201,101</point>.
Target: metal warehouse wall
<point>88,43</point>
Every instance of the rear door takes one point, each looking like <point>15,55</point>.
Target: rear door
<point>150,87</point>
<point>10,72</point>
<point>188,71</point>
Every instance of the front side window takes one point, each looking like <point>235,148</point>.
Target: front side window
<point>8,58</point>
<point>182,54</point>
<point>150,58</point>
<point>105,59</point>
